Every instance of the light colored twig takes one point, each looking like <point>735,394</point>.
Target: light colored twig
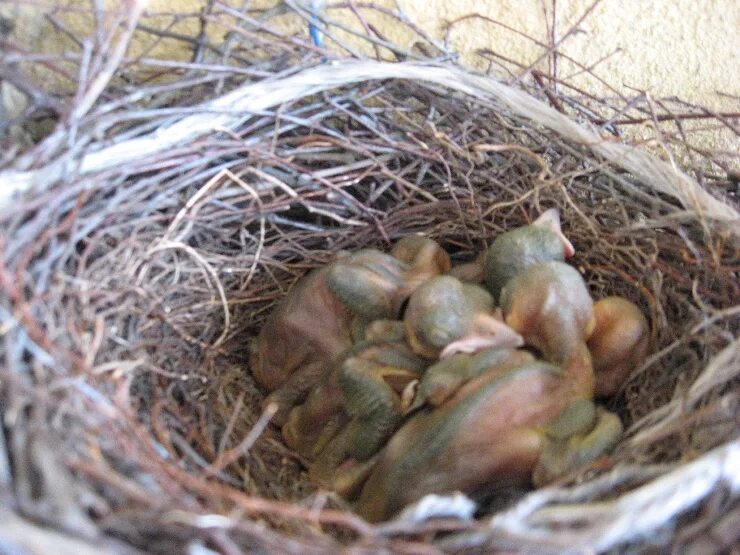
<point>604,525</point>
<point>268,94</point>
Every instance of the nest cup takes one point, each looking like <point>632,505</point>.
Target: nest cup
<point>135,279</point>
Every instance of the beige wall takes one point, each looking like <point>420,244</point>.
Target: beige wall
<point>686,48</point>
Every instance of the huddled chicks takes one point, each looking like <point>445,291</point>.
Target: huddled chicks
<point>396,375</point>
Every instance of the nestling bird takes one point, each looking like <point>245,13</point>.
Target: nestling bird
<point>371,381</point>
<point>618,344</point>
<point>312,424</point>
<point>445,316</point>
<point>317,320</point>
<point>514,251</point>
<point>424,256</point>
<point>496,430</point>
<point>373,393</point>
<point>579,435</point>
<point>549,305</point>
<point>299,340</point>
<point>379,365</point>
<point>371,283</point>
<point>375,285</point>
<point>443,379</point>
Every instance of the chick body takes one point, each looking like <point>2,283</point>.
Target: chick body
<point>488,435</point>
<point>516,250</point>
<point>445,315</point>
<point>549,305</point>
<point>323,314</point>
<point>618,344</point>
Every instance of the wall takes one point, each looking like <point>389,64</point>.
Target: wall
<point>684,48</point>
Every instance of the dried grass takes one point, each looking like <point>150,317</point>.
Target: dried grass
<point>145,240</point>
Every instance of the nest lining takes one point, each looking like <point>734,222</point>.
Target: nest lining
<point>135,283</point>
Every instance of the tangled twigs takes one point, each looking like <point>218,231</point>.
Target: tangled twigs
<point>625,519</point>
<point>254,98</point>
<point>140,254</point>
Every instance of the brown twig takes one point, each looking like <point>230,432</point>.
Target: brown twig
<point>132,288</point>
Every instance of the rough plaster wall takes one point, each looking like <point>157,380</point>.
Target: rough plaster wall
<point>686,48</point>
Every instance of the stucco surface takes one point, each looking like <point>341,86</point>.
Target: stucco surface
<point>683,48</point>
<point>687,48</point>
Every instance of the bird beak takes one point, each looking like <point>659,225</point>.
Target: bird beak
<point>410,401</point>
<point>488,333</point>
<point>550,219</point>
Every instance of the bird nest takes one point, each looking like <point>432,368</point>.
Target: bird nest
<point>146,239</point>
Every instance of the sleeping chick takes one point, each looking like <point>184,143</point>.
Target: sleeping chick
<point>549,305</point>
<point>445,316</point>
<point>365,378</point>
<point>318,320</point>
<point>513,251</point>
<point>497,430</point>
<point>618,344</point>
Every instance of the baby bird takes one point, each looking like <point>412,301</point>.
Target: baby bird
<point>371,283</point>
<point>318,319</point>
<point>549,305</point>
<point>443,379</point>
<point>513,251</point>
<point>373,393</point>
<point>310,425</point>
<point>299,340</point>
<point>424,257</point>
<point>314,423</point>
<point>619,342</point>
<point>445,316</point>
<point>491,433</point>
<point>372,383</point>
<point>470,272</point>
<point>375,285</point>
